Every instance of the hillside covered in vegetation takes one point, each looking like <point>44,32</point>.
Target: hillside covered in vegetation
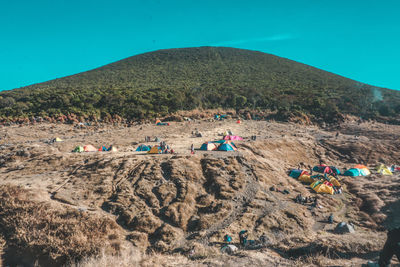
<point>165,81</point>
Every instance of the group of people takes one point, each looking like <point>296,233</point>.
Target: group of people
<point>165,148</point>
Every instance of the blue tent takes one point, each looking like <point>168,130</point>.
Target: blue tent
<point>208,146</point>
<point>143,148</point>
<point>352,172</point>
<point>295,173</point>
<point>226,147</point>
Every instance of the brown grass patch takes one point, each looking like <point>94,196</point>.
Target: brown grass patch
<point>48,233</point>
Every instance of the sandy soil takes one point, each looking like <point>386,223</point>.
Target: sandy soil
<point>184,204</point>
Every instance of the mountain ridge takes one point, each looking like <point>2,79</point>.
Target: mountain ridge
<point>165,81</point>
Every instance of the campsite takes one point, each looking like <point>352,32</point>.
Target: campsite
<point>178,207</point>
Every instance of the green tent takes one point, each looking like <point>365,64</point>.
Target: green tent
<point>78,149</point>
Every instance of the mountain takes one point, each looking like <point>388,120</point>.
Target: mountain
<point>165,81</point>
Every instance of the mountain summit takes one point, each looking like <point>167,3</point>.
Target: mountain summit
<point>165,81</point>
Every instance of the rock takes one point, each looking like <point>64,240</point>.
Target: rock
<point>229,249</point>
<point>344,228</point>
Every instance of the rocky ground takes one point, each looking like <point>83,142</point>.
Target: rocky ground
<point>89,209</point>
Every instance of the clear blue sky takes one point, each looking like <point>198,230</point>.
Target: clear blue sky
<point>46,39</point>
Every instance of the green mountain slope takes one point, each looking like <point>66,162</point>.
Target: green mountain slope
<point>164,81</point>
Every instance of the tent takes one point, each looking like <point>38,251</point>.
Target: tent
<point>305,178</point>
<point>358,170</point>
<point>155,150</point>
<point>58,139</point>
<point>78,149</point>
<point>112,149</point>
<point>227,146</point>
<point>352,172</point>
<point>295,173</point>
<point>158,121</point>
<point>103,148</point>
<point>322,187</point>
<point>89,148</point>
<point>208,146</point>
<point>326,169</point>
<point>232,137</point>
<point>382,169</point>
<point>143,148</point>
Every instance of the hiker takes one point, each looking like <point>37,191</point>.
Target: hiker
<point>243,237</point>
<point>315,204</point>
<point>330,218</point>
<point>192,149</point>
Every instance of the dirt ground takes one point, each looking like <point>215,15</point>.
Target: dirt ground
<point>59,207</point>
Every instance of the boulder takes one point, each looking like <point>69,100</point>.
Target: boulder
<point>344,228</point>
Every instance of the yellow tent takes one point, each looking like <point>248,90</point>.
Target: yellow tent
<point>58,139</point>
<point>333,181</point>
<point>320,187</point>
<point>382,169</point>
<point>306,179</point>
<point>155,150</point>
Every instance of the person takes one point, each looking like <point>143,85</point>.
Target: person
<point>243,237</point>
<point>227,238</point>
<point>192,149</point>
<point>315,204</point>
<point>330,219</point>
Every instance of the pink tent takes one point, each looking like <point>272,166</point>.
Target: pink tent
<point>232,137</point>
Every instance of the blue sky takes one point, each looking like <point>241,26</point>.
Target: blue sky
<point>47,39</point>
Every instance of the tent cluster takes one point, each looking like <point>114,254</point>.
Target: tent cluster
<point>90,148</point>
<point>325,183</point>
<point>159,150</point>
<point>162,148</point>
<point>222,145</point>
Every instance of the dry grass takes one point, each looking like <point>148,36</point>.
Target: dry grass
<point>53,231</point>
<point>133,257</point>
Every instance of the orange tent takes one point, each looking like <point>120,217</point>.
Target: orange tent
<point>158,121</point>
<point>360,166</point>
<point>89,148</point>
